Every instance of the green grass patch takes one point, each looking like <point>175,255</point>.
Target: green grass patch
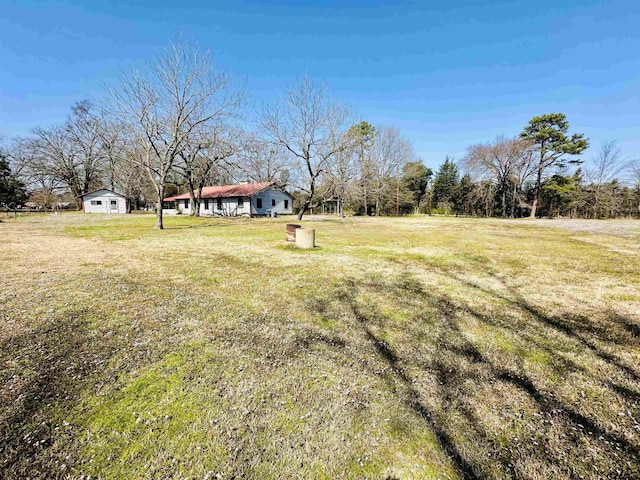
<point>401,348</point>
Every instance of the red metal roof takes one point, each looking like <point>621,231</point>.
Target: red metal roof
<point>222,191</point>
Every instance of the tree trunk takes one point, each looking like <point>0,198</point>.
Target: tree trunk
<point>536,193</point>
<point>534,206</point>
<point>195,204</point>
<point>504,201</point>
<point>596,203</point>
<point>195,201</point>
<point>305,207</point>
<point>307,202</point>
<point>536,190</point>
<point>398,193</point>
<point>366,212</point>
<point>159,224</point>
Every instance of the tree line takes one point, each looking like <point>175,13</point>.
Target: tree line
<point>539,174</point>
<point>182,124</point>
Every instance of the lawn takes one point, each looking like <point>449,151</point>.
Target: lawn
<point>400,348</point>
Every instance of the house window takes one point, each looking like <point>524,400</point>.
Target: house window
<point>219,204</point>
<point>286,204</point>
<point>96,202</point>
<point>240,202</point>
<point>273,202</point>
<point>206,204</point>
<point>186,204</point>
<point>258,202</point>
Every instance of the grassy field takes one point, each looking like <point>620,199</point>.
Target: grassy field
<point>400,348</point>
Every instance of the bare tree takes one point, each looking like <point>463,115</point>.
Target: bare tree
<point>114,143</point>
<point>54,160</point>
<point>67,156</point>
<point>481,197</point>
<point>340,183</point>
<point>27,162</point>
<point>389,153</point>
<point>201,158</point>
<point>603,169</point>
<point>360,139</point>
<point>262,161</point>
<point>169,106</point>
<point>505,161</point>
<point>634,166</point>
<point>83,128</point>
<point>310,126</point>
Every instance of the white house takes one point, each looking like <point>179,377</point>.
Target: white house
<point>104,201</point>
<point>232,200</point>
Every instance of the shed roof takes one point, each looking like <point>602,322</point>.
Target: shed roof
<point>224,191</point>
<point>102,190</point>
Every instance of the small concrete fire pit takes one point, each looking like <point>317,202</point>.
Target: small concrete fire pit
<point>305,237</point>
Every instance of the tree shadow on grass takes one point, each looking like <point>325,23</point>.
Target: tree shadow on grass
<point>611,330</point>
<point>539,431</point>
<point>204,225</point>
<point>42,369</point>
<point>413,401</point>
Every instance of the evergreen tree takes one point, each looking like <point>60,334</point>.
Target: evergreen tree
<point>12,190</point>
<point>559,194</point>
<point>415,180</point>
<point>444,184</point>
<point>461,196</point>
<point>549,134</point>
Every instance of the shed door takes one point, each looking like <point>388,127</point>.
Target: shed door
<point>113,206</point>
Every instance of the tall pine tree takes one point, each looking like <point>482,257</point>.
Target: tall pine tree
<point>12,190</point>
<point>444,184</point>
<point>549,134</point>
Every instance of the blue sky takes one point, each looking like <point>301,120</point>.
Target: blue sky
<point>447,74</point>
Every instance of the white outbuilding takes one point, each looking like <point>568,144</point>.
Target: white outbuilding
<point>104,201</point>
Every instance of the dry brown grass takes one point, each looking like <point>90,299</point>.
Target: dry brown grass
<point>402,348</point>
